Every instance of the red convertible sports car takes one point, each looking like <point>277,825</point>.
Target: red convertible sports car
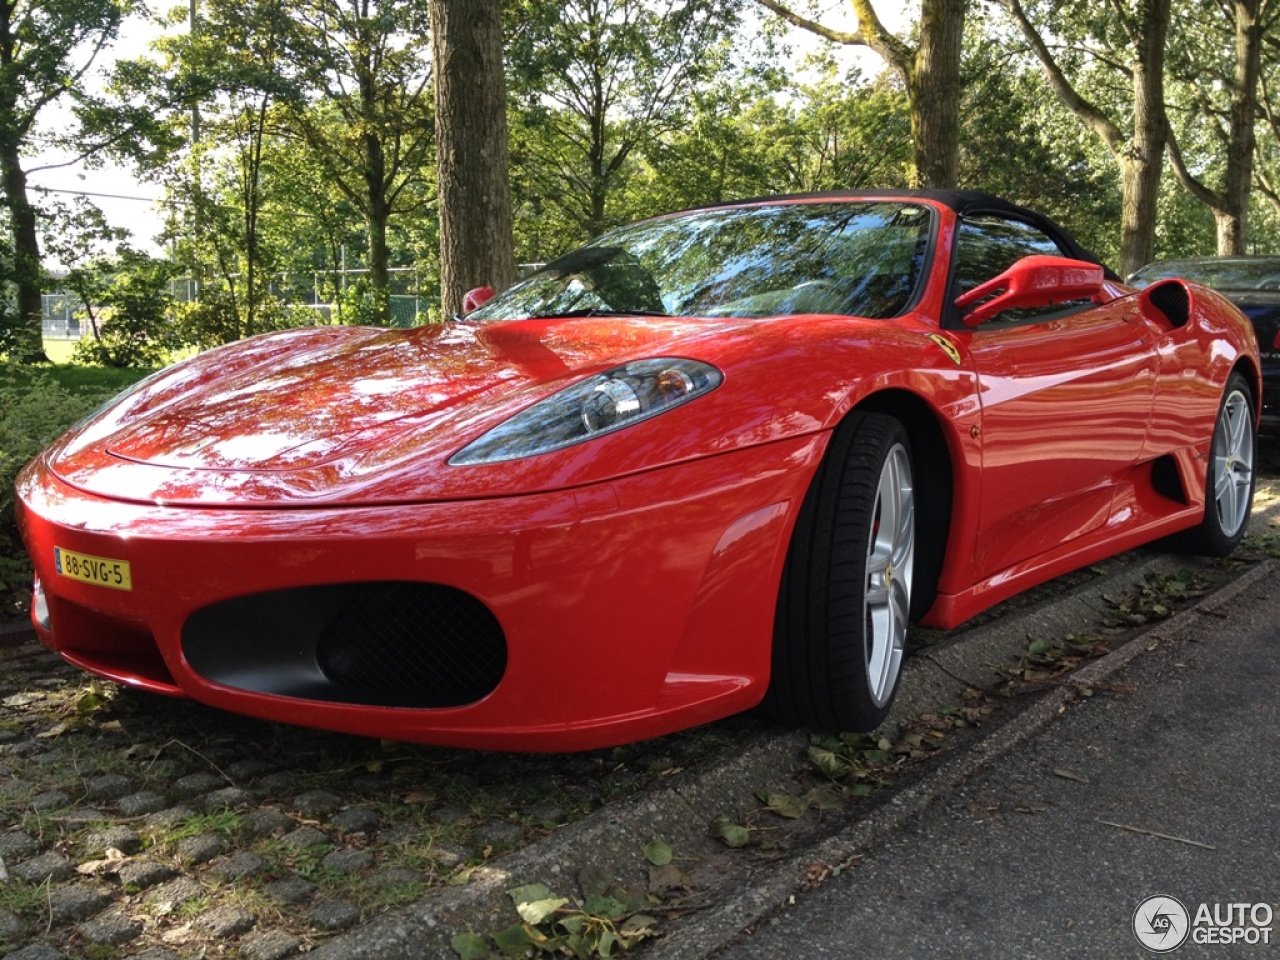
<point>712,459</point>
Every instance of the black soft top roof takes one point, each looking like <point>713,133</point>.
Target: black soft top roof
<point>965,203</point>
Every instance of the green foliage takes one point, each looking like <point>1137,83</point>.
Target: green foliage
<point>594,82</point>
<point>48,50</point>
<point>134,326</point>
<point>218,316</point>
<point>1020,143</point>
<point>316,127</point>
<point>34,410</point>
<point>7,290</point>
<point>760,133</point>
<point>315,138</point>
<point>361,305</point>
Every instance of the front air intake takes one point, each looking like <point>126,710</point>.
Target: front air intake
<point>386,643</point>
<point>414,640</point>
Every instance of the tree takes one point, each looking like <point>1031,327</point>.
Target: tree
<point>82,243</point>
<point>596,80</point>
<point>47,47</point>
<point>930,71</point>
<point>330,93</point>
<point>231,66</point>
<point>1125,41</point>
<point>471,149</point>
<point>1267,182</point>
<point>1231,124</point>
<point>1018,143</point>
<point>362,105</point>
<point>135,329</point>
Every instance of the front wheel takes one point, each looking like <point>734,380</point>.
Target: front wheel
<point>1230,475</point>
<point>843,606</point>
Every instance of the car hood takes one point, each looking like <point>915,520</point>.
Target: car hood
<point>358,415</point>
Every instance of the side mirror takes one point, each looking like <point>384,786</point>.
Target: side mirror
<point>475,299</point>
<point>1037,281</point>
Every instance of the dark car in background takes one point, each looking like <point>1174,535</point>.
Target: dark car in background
<point>1253,285</point>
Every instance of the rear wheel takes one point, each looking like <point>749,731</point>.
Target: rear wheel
<point>842,616</point>
<point>1229,482</point>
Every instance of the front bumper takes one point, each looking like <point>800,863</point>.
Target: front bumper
<point>625,610</point>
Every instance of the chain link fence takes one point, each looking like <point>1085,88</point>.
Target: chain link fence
<point>320,292</point>
<point>62,313</point>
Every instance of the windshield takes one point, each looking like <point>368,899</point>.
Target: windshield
<point>861,259</point>
<point>1224,273</point>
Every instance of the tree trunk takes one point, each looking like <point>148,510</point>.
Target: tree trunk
<point>379,259</point>
<point>377,209</point>
<point>27,342</point>
<point>1143,160</point>
<point>934,90</point>
<point>1230,203</point>
<point>476,244</point>
<point>1233,220</point>
<point>931,73</point>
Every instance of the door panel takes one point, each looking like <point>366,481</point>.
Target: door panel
<point>1065,410</point>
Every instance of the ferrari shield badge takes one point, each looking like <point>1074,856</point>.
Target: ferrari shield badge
<point>947,346</point>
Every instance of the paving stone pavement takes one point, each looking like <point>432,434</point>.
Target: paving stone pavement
<point>137,826</point>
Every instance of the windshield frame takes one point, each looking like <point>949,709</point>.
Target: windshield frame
<point>916,265</point>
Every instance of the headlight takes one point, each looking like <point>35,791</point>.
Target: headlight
<point>598,405</point>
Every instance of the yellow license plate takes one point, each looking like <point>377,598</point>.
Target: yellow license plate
<point>99,570</point>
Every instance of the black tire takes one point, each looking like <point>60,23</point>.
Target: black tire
<point>845,597</point>
<point>1230,476</point>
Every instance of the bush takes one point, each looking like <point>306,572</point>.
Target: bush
<point>34,410</point>
<point>134,329</point>
<point>217,317</point>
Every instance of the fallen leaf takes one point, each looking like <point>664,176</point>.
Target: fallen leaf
<point>110,864</point>
<point>528,893</point>
<point>470,946</point>
<point>823,798</point>
<point>787,807</point>
<point>639,925</point>
<point>665,880</point>
<point>658,853</point>
<point>536,911</point>
<point>460,877</point>
<point>730,833</point>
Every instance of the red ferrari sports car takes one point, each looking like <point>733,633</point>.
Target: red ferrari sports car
<point>711,459</point>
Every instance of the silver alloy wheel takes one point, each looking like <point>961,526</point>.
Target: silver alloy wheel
<point>890,562</point>
<point>1233,463</point>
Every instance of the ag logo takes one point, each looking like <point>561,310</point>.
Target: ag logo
<point>1161,924</point>
<point>947,346</point>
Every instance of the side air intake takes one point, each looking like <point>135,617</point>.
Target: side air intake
<point>1169,301</point>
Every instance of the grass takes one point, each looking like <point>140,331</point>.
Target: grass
<point>75,376</point>
<point>59,351</point>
